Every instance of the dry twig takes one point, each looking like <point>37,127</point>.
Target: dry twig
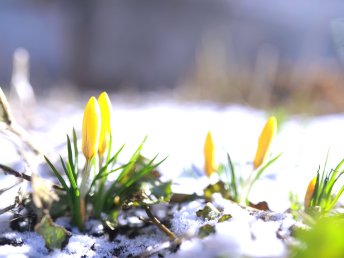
<point>26,177</point>
<point>161,226</point>
<point>13,126</point>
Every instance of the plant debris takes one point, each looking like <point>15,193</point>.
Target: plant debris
<point>55,236</point>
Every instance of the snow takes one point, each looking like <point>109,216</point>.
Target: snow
<point>178,131</point>
<point>33,245</point>
<point>242,235</point>
<point>185,222</point>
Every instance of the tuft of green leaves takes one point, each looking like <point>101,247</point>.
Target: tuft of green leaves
<point>235,188</point>
<point>71,189</point>
<point>137,183</point>
<point>324,198</point>
<point>136,176</point>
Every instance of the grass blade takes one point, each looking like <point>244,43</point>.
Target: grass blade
<point>57,174</point>
<point>147,169</point>
<point>69,174</point>
<point>99,176</point>
<point>315,196</point>
<point>233,183</point>
<point>260,171</point>
<point>76,154</point>
<point>112,160</point>
<point>333,203</point>
<point>109,149</point>
<point>131,162</point>
<point>110,172</point>
<point>70,156</point>
<point>324,170</point>
<point>334,178</point>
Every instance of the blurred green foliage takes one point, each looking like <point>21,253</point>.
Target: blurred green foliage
<point>324,240</point>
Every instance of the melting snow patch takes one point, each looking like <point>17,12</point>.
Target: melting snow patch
<point>84,245</point>
<point>185,221</point>
<point>136,246</point>
<point>33,246</point>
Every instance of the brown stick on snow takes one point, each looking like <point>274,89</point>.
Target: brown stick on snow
<point>161,226</point>
<point>26,177</point>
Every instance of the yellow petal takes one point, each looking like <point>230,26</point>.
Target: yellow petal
<point>309,192</point>
<point>264,142</point>
<point>105,131</point>
<point>91,128</point>
<point>209,155</point>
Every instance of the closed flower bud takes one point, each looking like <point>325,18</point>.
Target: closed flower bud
<point>91,129</point>
<point>209,155</point>
<point>264,142</point>
<point>310,192</point>
<point>105,131</point>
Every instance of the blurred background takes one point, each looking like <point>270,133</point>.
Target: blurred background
<point>267,54</point>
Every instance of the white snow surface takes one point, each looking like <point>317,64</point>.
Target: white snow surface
<point>178,131</point>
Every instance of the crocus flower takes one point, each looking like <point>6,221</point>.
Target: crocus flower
<point>310,192</point>
<point>91,129</point>
<point>209,155</point>
<point>105,131</point>
<point>264,142</point>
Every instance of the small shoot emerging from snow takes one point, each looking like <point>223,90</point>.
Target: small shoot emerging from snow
<point>232,180</point>
<point>295,205</point>
<point>320,195</point>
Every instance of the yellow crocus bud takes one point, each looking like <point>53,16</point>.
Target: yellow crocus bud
<point>91,129</point>
<point>105,131</point>
<point>310,192</point>
<point>209,155</point>
<point>264,142</point>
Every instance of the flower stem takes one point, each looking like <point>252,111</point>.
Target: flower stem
<point>80,202</point>
<point>246,190</point>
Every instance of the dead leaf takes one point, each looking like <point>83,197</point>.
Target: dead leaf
<point>260,206</point>
<point>55,236</point>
